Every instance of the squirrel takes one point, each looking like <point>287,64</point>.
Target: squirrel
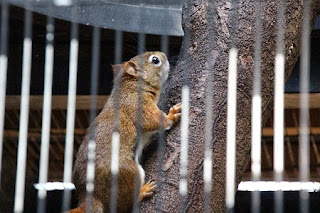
<point>149,71</point>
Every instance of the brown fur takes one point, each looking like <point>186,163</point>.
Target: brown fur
<point>129,73</point>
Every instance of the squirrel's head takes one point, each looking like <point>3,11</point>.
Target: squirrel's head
<point>152,67</point>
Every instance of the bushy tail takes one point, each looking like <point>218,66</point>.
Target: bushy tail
<point>77,210</point>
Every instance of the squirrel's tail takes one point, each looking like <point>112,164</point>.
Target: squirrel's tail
<point>77,210</point>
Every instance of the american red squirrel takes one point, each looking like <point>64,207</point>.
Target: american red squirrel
<point>150,70</point>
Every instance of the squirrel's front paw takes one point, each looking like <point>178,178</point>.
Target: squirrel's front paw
<point>148,189</point>
<point>174,112</point>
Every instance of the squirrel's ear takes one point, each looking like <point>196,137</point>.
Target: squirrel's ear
<point>131,68</point>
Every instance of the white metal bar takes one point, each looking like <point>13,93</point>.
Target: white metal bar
<point>207,165</point>
<point>231,129</point>
<point>304,94</point>
<point>141,49</point>
<point>161,133</point>
<point>208,140</point>
<point>184,127</point>
<point>183,186</point>
<point>24,114</point>
<point>94,72</point>
<point>46,114</point>
<point>90,174</point>
<point>256,112</point>
<point>3,73</point>
<point>115,141</point>
<point>278,147</point>
<point>93,106</point>
<point>304,140</point>
<point>74,49</point>
<point>50,186</point>
<point>279,117</point>
<point>72,89</point>
<point>115,147</point>
<point>272,186</point>
<point>278,125</point>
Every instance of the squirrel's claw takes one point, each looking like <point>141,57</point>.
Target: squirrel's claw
<point>148,189</point>
<point>174,112</point>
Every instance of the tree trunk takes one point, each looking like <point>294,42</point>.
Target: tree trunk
<point>206,52</point>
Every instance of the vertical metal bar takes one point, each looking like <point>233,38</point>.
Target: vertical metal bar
<point>304,140</point>
<point>231,129</point>
<point>165,44</point>
<point>183,188</point>
<point>93,112</point>
<point>71,108</point>
<point>160,147</point>
<point>184,128</point>
<point>231,114</point>
<point>46,115</point>
<point>115,147</point>
<point>115,135</point>
<point>207,165</point>
<point>24,113</point>
<point>141,42</point>
<point>3,72</point>
<point>278,138</point>
<point>256,111</point>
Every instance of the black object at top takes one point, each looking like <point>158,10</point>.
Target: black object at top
<point>141,16</point>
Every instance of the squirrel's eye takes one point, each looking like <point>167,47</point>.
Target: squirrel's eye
<point>155,60</point>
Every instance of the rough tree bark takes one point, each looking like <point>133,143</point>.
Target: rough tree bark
<point>201,57</point>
